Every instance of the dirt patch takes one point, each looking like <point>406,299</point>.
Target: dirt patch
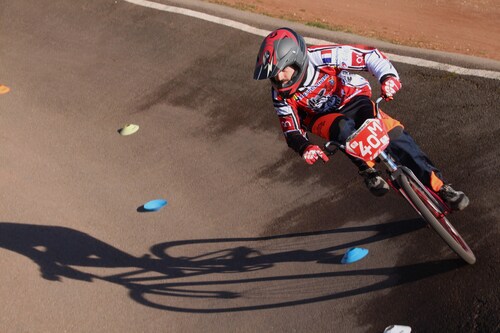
<point>460,26</point>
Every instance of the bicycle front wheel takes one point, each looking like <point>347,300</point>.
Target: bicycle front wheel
<point>430,212</point>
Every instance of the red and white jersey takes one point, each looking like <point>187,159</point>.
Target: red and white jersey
<point>328,84</point>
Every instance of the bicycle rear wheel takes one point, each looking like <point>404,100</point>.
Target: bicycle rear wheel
<point>434,215</point>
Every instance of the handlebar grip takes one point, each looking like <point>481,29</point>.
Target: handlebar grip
<point>331,147</point>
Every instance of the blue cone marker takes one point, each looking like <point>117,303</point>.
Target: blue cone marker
<point>155,205</point>
<point>354,254</point>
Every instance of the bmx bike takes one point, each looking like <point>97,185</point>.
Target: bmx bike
<point>369,143</point>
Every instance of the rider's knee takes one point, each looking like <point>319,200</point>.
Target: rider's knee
<point>395,132</point>
<point>341,128</point>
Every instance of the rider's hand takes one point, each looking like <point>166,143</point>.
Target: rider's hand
<point>389,87</point>
<point>312,153</point>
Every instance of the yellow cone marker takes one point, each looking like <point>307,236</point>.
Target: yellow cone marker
<point>4,89</point>
<point>129,129</point>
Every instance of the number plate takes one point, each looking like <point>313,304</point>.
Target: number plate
<point>368,141</point>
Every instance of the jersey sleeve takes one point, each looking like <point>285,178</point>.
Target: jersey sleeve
<point>295,136</point>
<point>353,57</point>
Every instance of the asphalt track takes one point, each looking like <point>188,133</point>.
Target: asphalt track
<point>252,237</point>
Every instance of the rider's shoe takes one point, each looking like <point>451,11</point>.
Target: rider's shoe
<point>456,199</point>
<point>375,183</point>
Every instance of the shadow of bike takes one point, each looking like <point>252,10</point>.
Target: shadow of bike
<point>192,275</point>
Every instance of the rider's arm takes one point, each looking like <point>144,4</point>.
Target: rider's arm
<point>354,57</point>
<point>297,140</point>
<point>359,57</point>
<point>295,136</point>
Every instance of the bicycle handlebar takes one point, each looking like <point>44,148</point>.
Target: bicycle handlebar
<point>377,102</point>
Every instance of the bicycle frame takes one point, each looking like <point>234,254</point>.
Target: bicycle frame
<point>369,143</point>
<point>381,155</point>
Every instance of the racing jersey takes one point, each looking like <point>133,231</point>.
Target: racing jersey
<point>328,86</point>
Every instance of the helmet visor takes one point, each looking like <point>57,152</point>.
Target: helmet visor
<point>266,67</point>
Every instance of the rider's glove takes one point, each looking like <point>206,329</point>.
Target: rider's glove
<point>389,87</point>
<point>312,153</point>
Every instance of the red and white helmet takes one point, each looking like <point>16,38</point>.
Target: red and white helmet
<point>281,48</point>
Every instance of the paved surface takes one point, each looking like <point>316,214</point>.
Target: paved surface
<point>251,238</point>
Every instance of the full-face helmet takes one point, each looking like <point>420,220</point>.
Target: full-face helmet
<point>281,48</point>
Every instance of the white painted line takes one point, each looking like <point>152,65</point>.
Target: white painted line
<point>260,32</point>
<point>202,16</point>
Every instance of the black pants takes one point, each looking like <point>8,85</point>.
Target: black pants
<point>402,146</point>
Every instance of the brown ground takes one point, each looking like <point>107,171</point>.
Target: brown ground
<point>456,26</point>
<point>252,237</point>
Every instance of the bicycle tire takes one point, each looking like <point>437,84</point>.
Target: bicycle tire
<point>421,201</point>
